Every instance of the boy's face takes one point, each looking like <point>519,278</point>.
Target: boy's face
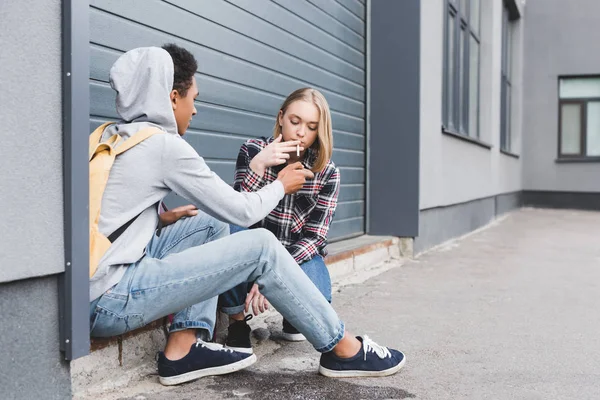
<point>183,107</point>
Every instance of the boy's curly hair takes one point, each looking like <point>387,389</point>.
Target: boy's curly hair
<point>185,67</point>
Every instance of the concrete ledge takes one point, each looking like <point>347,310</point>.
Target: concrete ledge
<point>355,255</point>
<point>118,361</point>
<point>100,343</point>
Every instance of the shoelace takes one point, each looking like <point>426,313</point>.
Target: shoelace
<point>212,346</point>
<point>369,345</point>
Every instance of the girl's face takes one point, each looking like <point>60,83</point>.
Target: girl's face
<point>300,122</point>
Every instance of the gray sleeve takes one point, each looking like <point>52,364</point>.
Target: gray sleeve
<point>187,174</point>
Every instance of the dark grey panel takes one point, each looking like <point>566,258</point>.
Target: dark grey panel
<point>508,202</point>
<point>270,34</point>
<point>96,122</point>
<point>247,65</point>
<point>438,225</point>
<point>74,283</point>
<point>229,94</point>
<point>32,365</point>
<point>394,118</point>
<point>348,158</point>
<point>113,32</point>
<point>345,210</point>
<point>349,210</point>
<point>355,7</point>
<point>212,90</point>
<point>217,146</point>
<point>352,175</point>
<point>216,119</point>
<point>180,23</point>
<point>351,192</point>
<point>324,22</point>
<point>341,14</point>
<point>347,228</point>
<point>565,200</point>
<point>303,29</point>
<point>209,118</point>
<point>348,141</point>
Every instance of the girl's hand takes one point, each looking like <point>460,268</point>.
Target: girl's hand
<point>276,153</point>
<point>258,302</point>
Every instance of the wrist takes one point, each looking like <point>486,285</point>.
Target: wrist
<point>257,167</point>
<point>283,188</point>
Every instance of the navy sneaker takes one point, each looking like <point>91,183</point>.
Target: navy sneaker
<point>238,336</point>
<point>204,359</point>
<point>372,360</point>
<point>291,334</point>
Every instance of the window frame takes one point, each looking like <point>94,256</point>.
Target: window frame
<point>457,122</point>
<point>510,14</point>
<point>506,71</point>
<point>583,103</point>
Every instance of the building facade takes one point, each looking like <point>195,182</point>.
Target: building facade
<point>471,165</point>
<point>561,145</point>
<point>446,114</point>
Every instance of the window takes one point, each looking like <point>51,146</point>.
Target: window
<point>579,117</point>
<point>506,90</point>
<point>461,67</point>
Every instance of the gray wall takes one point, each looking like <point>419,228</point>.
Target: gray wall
<point>31,363</point>
<point>31,204</point>
<point>394,96</point>
<point>464,186</point>
<point>31,208</point>
<point>454,171</point>
<point>440,224</point>
<point>561,38</point>
<point>251,55</point>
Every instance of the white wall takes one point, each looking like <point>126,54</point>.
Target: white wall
<point>451,170</point>
<point>561,39</point>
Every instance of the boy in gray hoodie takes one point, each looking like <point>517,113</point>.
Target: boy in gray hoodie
<point>182,268</point>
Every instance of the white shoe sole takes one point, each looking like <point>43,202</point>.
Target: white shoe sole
<point>245,350</point>
<point>222,370</point>
<point>293,337</point>
<point>357,373</point>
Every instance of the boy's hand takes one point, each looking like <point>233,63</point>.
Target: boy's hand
<point>275,153</point>
<point>293,177</point>
<point>174,215</point>
<point>257,301</point>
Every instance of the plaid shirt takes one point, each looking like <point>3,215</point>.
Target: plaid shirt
<point>300,220</point>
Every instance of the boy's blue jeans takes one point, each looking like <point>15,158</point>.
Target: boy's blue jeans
<point>233,301</point>
<point>192,262</point>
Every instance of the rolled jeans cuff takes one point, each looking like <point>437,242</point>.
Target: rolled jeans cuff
<point>183,325</point>
<point>339,336</point>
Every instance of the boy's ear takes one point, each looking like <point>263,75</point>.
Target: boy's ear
<point>174,98</point>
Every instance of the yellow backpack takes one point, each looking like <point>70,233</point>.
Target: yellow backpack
<point>102,158</point>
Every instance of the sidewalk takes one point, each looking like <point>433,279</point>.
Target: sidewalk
<point>510,312</point>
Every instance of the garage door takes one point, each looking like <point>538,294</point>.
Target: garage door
<point>251,54</point>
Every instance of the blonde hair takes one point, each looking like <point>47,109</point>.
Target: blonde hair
<point>324,143</point>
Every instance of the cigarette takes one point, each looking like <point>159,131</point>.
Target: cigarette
<point>297,150</point>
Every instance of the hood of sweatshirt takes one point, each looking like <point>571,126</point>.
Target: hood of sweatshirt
<point>143,80</point>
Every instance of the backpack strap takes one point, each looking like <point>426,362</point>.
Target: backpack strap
<point>96,136</point>
<point>136,139</point>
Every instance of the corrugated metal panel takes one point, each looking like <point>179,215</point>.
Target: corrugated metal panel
<point>247,65</point>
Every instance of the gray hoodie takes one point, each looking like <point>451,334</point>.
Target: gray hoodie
<point>164,163</point>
